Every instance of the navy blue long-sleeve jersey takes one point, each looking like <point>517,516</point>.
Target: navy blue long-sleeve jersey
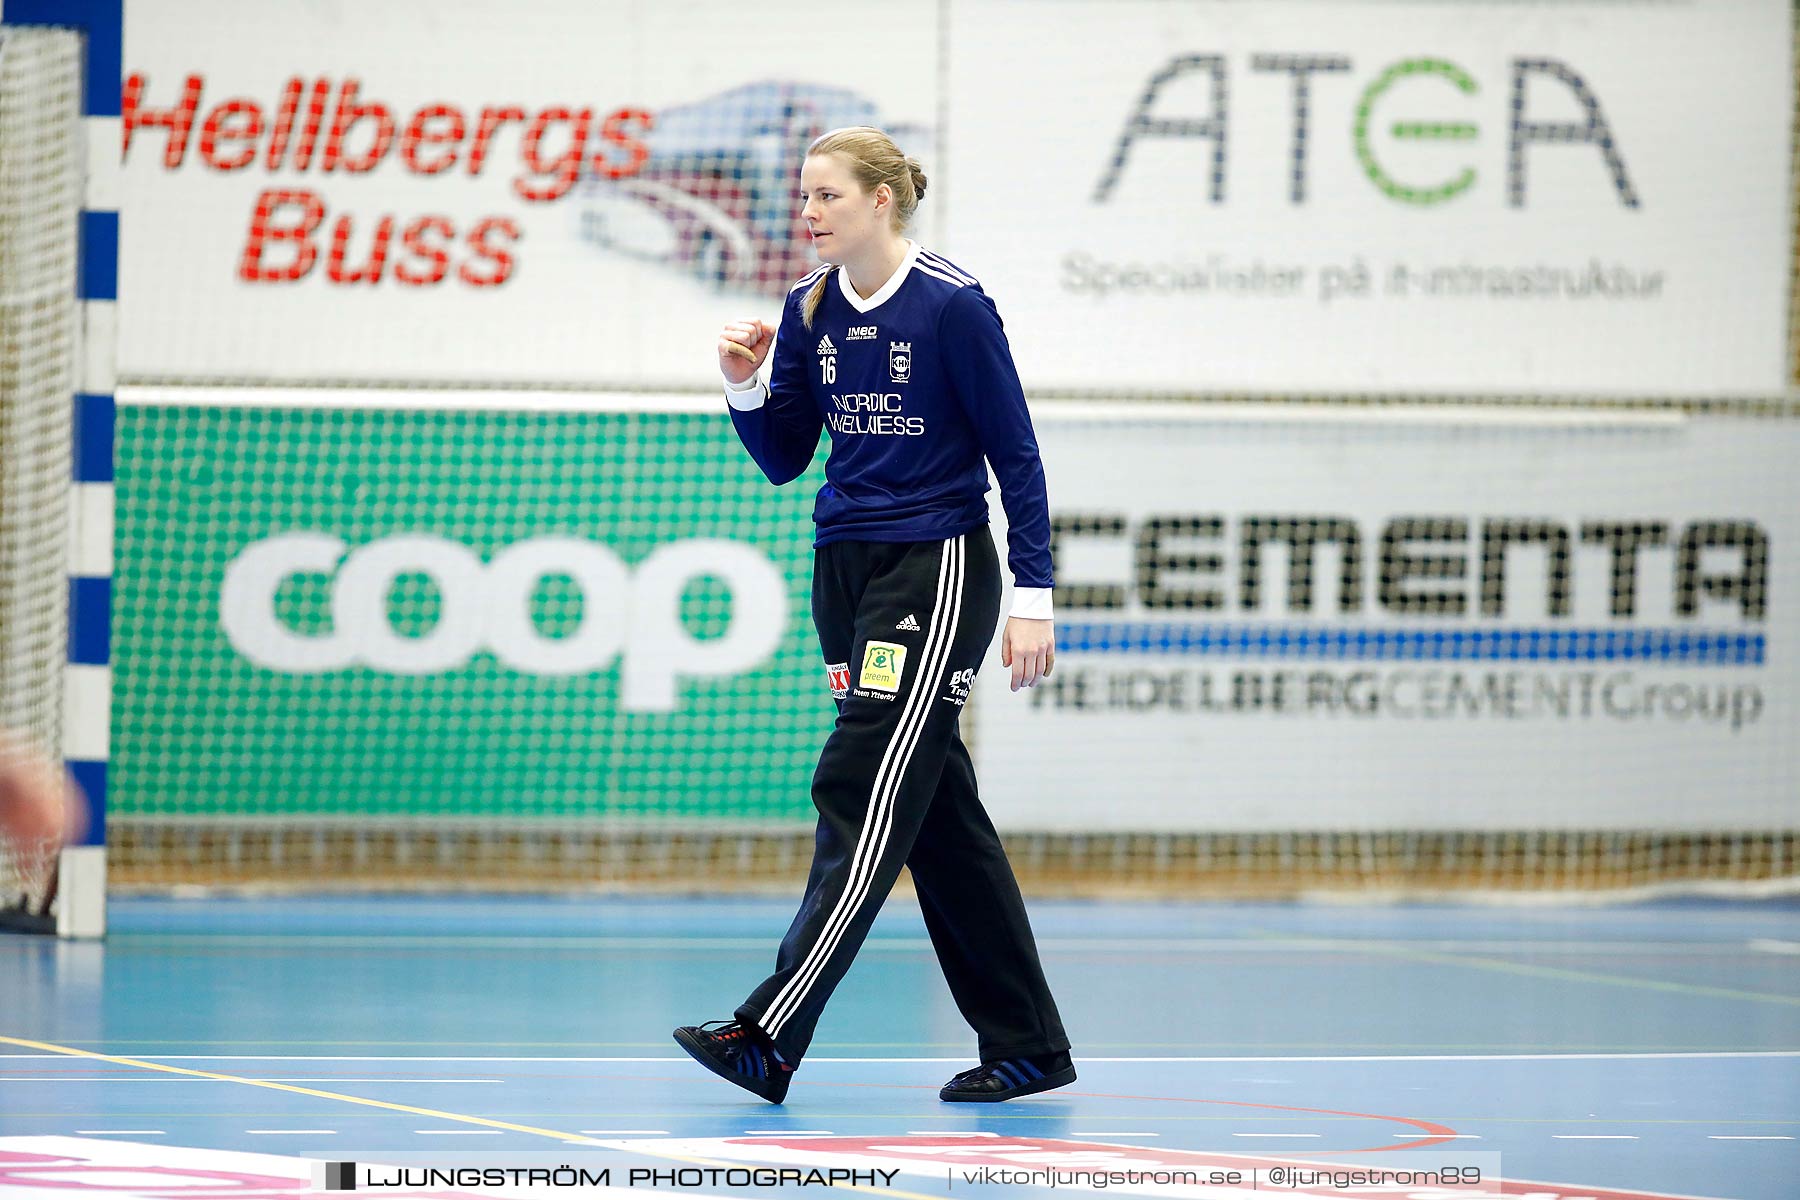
<point>916,385</point>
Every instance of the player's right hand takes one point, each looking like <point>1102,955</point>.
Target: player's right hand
<point>743,345</point>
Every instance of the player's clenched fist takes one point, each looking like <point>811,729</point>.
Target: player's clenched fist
<point>743,345</point>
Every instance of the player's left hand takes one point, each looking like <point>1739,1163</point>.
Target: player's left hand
<point>1029,648</point>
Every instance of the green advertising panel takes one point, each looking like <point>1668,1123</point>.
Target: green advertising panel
<point>459,614</point>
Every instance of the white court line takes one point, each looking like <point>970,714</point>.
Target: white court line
<point>1275,946</point>
<point>662,1131</point>
<point>462,1132</point>
<point>1774,946</point>
<point>790,1133</point>
<point>284,1131</point>
<point>948,1133</point>
<point>1277,1135</point>
<point>1596,1137</point>
<point>1110,1133</point>
<point>132,1132</point>
<point>1155,1058</point>
<point>1413,1133</point>
<point>1749,1137</point>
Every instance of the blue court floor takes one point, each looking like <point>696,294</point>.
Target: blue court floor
<point>1648,1048</point>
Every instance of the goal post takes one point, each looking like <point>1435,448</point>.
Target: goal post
<point>59,232</point>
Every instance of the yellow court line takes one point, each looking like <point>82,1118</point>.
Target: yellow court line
<point>439,1114</point>
<point>288,1087</point>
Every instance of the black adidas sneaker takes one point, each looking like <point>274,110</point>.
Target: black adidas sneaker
<point>740,1053</point>
<point>1007,1078</point>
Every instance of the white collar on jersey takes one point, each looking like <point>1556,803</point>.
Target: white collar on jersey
<point>887,289</point>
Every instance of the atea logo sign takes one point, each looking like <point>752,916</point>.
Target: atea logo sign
<point>1454,96</point>
<point>631,614</point>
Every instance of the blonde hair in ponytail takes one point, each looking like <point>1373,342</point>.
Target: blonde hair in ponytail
<point>874,160</point>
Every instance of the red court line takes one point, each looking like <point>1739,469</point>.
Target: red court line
<point>1439,1133</point>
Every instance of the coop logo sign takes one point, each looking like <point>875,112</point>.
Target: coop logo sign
<point>630,613</point>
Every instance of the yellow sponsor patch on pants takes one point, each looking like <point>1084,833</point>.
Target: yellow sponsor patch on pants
<point>882,665</point>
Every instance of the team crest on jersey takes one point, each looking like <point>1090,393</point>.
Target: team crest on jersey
<point>900,361</point>
<point>860,333</point>
<point>839,676</point>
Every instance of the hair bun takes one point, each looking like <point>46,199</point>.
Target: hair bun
<point>918,177</point>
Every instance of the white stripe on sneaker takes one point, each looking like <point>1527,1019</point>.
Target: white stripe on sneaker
<point>885,790</point>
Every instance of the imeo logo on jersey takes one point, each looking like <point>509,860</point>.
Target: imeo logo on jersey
<point>628,613</point>
<point>900,361</point>
<point>827,360</point>
<point>860,333</point>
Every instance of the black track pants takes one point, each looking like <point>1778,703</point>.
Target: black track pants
<point>895,786</point>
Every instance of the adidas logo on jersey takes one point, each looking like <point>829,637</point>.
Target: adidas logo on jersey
<point>910,622</point>
<point>825,346</point>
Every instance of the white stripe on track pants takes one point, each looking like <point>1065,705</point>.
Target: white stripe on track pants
<point>895,786</point>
